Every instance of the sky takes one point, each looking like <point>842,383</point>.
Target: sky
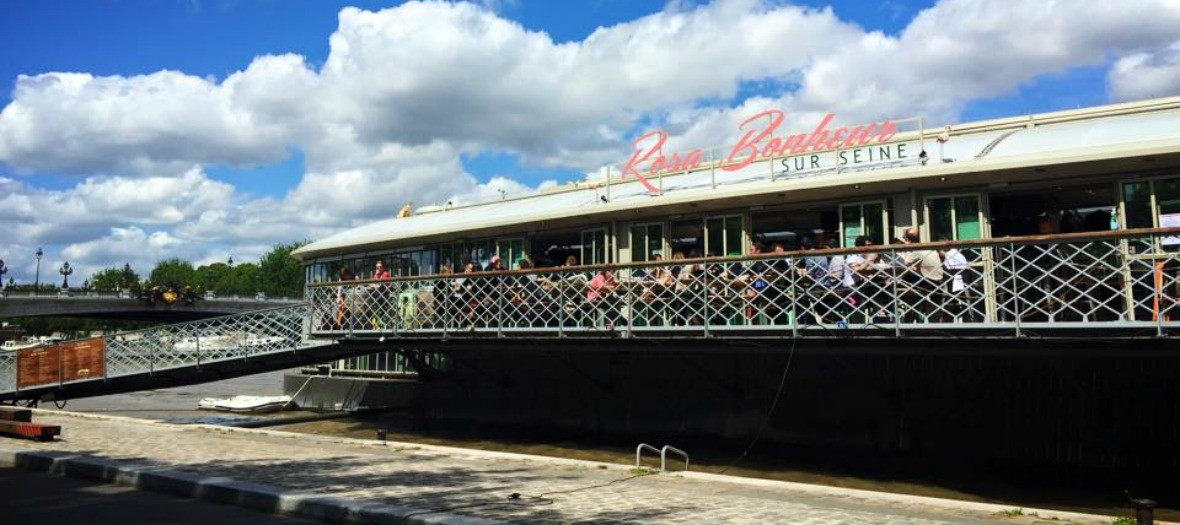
<point>135,131</point>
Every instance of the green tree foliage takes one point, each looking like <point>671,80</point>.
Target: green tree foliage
<point>173,273</point>
<point>241,280</point>
<point>114,279</point>
<point>207,277</point>
<point>280,274</point>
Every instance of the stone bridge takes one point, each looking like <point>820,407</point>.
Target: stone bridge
<point>116,306</point>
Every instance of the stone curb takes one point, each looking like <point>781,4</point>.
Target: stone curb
<point>256,496</point>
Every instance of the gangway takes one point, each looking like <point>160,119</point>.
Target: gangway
<point>169,355</point>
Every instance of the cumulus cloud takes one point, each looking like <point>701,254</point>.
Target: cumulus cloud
<point>405,93</point>
<point>1146,75</point>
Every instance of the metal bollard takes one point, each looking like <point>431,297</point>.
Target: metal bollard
<point>1144,511</point>
<point>381,435</point>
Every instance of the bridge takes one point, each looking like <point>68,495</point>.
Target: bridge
<point>170,355</point>
<point>126,306</point>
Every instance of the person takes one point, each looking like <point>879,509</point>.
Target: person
<point>525,292</point>
<point>925,271</point>
<point>599,292</point>
<point>839,272</point>
<point>379,271</point>
<point>344,296</point>
<point>956,265</point>
<point>815,267</point>
<point>494,265</point>
<point>448,294</point>
<point>924,262</point>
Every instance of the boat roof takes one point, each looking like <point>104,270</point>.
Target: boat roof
<point>1149,127</point>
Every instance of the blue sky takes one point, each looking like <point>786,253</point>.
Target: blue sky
<point>214,38</point>
<point>427,102</point>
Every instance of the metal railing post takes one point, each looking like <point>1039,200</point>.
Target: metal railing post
<point>630,292</point>
<point>794,295</point>
<point>705,299</point>
<point>894,299</point>
<point>561,306</point>
<point>500,293</point>
<point>1018,311</point>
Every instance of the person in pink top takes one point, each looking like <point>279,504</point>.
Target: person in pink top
<point>601,285</point>
<point>379,271</point>
<point>598,296</point>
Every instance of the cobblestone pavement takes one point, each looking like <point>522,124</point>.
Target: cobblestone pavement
<point>477,483</point>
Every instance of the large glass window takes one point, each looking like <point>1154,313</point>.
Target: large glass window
<point>647,241</point>
<point>723,236</point>
<point>595,247</point>
<point>868,219</point>
<point>511,251</point>
<point>955,217</point>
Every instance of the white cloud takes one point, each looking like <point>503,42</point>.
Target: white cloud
<point>1146,75</point>
<point>406,92</point>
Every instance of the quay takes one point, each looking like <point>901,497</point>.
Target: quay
<point>353,480</point>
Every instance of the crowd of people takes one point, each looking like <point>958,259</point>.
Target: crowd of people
<point>821,287</point>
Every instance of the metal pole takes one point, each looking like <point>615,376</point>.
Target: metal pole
<point>713,168</point>
<point>1015,289</point>
<point>705,296</point>
<point>895,298</point>
<point>608,176</point>
<point>561,306</point>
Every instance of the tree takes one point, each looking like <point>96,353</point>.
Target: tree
<point>242,280</point>
<point>173,273</point>
<point>207,277</point>
<point>114,279</point>
<point>280,274</point>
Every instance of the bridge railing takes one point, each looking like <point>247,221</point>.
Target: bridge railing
<point>1000,287</point>
<point>154,349</point>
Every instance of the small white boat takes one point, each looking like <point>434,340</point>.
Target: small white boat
<point>245,404</point>
<point>29,342</point>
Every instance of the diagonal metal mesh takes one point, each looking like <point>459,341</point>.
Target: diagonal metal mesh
<point>1128,281</point>
<point>7,371</point>
<point>193,343</point>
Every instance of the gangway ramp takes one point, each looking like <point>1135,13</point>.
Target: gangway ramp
<point>168,355</point>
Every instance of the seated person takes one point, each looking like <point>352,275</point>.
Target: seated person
<point>924,262</point>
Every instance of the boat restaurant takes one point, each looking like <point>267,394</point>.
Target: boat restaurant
<point>1064,221</point>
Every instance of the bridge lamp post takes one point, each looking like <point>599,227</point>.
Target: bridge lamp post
<point>37,279</point>
<point>65,272</point>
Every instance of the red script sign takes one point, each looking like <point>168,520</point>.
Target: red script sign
<point>648,159</point>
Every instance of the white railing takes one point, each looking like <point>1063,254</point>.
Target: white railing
<point>1000,287</point>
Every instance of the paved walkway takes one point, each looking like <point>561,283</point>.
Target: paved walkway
<point>448,484</point>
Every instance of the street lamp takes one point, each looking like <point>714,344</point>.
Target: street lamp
<point>37,279</point>
<point>65,272</point>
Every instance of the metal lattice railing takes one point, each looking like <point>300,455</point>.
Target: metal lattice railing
<point>1109,279</point>
<point>186,344</point>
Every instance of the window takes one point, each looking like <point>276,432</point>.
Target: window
<point>647,240</point>
<point>954,217</point>
<point>595,247</point>
<point>511,251</point>
<point>868,219</point>
<point>723,236</point>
